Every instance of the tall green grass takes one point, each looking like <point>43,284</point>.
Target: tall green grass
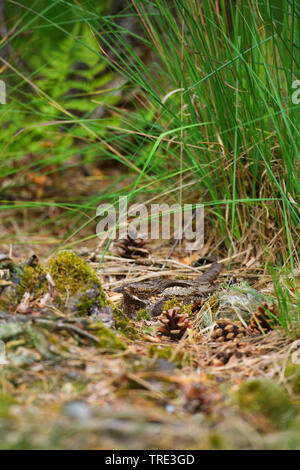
<point>229,66</point>
<point>209,116</point>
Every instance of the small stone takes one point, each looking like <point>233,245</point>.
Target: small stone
<point>77,409</point>
<point>170,408</point>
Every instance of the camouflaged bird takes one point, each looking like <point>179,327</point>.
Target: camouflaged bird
<point>152,295</point>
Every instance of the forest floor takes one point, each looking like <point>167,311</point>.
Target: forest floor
<point>74,381</point>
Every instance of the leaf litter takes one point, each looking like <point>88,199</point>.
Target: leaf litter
<point>80,374</point>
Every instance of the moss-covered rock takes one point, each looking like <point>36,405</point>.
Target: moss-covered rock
<point>76,281</point>
<point>71,273</point>
<point>269,399</point>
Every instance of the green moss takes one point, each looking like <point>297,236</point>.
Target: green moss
<point>85,304</point>
<point>23,278</point>
<point>108,338</point>
<point>292,373</point>
<point>89,301</point>
<point>176,303</point>
<point>123,323</point>
<point>180,358</point>
<point>217,441</point>
<point>143,315</point>
<point>71,272</point>
<point>33,280</point>
<point>8,297</point>
<point>6,401</point>
<point>267,398</point>
<point>73,276</point>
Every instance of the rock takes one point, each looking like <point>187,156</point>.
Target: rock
<point>239,302</point>
<point>77,409</point>
<point>77,284</point>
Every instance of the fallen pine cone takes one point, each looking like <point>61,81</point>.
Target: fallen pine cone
<point>196,398</point>
<point>174,323</point>
<point>264,319</point>
<point>223,356</point>
<point>133,246</point>
<point>227,330</point>
<point>225,352</point>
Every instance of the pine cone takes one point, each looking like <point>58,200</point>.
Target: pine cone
<point>264,319</point>
<point>196,398</point>
<point>227,330</point>
<point>225,351</point>
<point>133,246</point>
<point>174,323</point>
<point>223,355</point>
